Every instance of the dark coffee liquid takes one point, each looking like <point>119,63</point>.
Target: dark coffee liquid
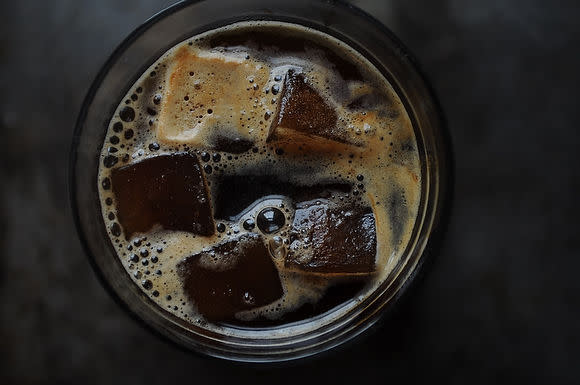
<point>257,175</point>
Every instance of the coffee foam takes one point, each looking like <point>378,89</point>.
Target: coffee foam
<point>388,158</point>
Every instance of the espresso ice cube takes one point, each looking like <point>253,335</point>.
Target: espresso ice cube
<point>233,276</point>
<point>303,116</point>
<point>208,93</point>
<point>167,190</point>
<point>330,239</point>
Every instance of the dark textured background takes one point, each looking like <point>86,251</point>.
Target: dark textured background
<point>502,302</point>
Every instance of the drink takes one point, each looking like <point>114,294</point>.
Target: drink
<point>264,191</point>
<point>260,174</point>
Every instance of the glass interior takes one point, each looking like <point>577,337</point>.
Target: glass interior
<point>184,20</point>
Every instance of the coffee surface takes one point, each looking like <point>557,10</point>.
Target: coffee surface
<point>259,174</point>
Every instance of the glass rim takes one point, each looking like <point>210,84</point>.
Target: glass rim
<point>277,349</point>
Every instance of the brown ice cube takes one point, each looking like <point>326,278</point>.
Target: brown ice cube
<point>208,93</point>
<point>330,239</point>
<point>304,117</point>
<point>233,276</point>
<point>167,190</point>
